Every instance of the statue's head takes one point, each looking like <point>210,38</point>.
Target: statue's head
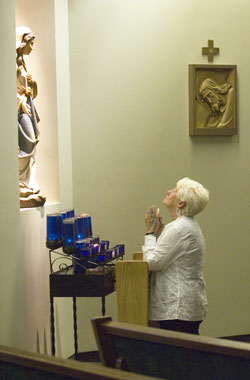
<point>24,39</point>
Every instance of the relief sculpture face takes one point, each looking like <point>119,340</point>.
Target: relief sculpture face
<point>210,96</point>
<point>212,100</point>
<point>220,100</point>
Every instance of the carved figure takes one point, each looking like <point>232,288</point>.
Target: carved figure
<point>220,101</point>
<point>28,132</point>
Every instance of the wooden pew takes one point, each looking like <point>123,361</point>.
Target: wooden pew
<point>168,354</point>
<point>22,365</point>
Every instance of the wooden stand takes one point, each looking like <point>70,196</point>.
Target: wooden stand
<point>64,283</point>
<point>132,291</point>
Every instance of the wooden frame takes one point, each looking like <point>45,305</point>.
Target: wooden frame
<point>212,100</point>
<point>168,354</point>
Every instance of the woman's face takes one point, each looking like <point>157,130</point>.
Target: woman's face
<point>28,47</point>
<point>171,200</point>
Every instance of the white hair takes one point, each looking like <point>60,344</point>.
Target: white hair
<point>193,194</point>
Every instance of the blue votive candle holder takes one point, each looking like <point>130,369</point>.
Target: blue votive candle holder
<point>109,254</point>
<point>79,244</point>
<point>70,213</point>
<point>120,248</point>
<point>86,251</point>
<point>102,246</point>
<point>79,228</point>
<point>89,225</point>
<point>105,243</point>
<point>95,248</point>
<point>63,214</point>
<point>101,258</point>
<point>68,235</point>
<point>85,225</point>
<point>54,237</point>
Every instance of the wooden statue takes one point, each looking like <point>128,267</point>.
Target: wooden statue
<point>28,132</point>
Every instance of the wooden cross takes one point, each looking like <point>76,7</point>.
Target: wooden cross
<point>210,50</point>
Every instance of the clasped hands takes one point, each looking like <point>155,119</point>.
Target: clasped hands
<point>153,221</point>
<point>22,101</point>
<point>23,105</point>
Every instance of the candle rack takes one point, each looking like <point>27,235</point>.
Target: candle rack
<point>97,280</point>
<point>81,265</point>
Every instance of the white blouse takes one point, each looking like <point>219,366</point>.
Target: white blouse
<point>177,286</point>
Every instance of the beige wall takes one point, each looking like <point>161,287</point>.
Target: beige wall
<point>129,102</point>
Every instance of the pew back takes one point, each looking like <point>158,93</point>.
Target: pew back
<point>168,354</point>
<point>21,365</point>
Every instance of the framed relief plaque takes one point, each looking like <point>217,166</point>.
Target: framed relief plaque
<point>212,100</point>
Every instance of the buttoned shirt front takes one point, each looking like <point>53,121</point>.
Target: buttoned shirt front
<point>175,259</point>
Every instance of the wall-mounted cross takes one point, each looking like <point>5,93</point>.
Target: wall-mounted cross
<point>210,50</point>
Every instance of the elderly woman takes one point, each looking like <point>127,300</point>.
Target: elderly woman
<point>175,254</point>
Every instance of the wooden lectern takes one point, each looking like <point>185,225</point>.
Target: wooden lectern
<point>132,287</point>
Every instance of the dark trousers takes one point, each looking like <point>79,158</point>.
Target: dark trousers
<point>191,327</point>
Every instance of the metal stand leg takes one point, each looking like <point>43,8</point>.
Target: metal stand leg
<point>52,326</point>
<point>103,305</point>
<point>75,326</point>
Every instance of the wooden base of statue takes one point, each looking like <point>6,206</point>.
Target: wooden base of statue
<point>28,198</point>
<point>132,288</point>
<point>32,201</point>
